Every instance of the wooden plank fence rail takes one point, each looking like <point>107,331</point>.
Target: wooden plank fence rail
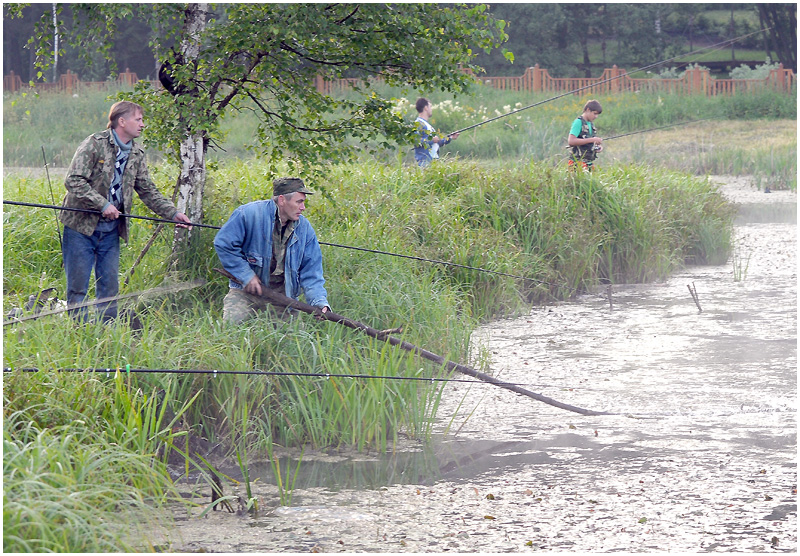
<point>70,83</point>
<point>535,79</point>
<point>612,80</point>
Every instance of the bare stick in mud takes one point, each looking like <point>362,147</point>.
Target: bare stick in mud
<point>283,301</point>
<point>217,494</point>
<point>610,300</point>
<point>693,291</point>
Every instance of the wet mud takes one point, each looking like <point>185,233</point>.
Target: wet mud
<point>698,456</point>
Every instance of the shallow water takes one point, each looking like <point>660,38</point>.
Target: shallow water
<point>700,456</point>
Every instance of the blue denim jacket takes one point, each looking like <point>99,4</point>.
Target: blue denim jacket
<point>244,247</point>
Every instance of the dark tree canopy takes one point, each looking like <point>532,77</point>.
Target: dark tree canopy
<point>782,21</point>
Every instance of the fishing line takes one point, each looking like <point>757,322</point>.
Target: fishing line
<point>486,270</point>
<point>53,199</point>
<point>129,370</point>
<point>283,373</point>
<point>644,131</point>
<point>718,46</point>
<point>125,369</point>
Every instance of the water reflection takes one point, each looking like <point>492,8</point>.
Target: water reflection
<point>441,459</point>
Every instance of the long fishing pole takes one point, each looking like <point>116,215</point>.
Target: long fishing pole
<point>625,74</point>
<point>446,263</point>
<point>93,211</point>
<point>126,369</point>
<point>53,198</point>
<point>651,129</point>
<point>594,147</point>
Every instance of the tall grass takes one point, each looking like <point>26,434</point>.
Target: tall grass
<point>559,231</point>
<point>80,472</point>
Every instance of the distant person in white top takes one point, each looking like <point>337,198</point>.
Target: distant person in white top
<point>427,149</point>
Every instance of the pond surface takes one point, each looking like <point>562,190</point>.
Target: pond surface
<point>700,455</point>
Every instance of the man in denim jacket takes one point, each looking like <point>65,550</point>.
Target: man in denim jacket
<point>269,244</point>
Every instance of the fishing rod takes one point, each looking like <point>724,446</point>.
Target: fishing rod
<point>281,300</point>
<point>53,199</point>
<point>93,211</point>
<point>651,129</point>
<point>214,372</point>
<point>595,147</point>
<point>479,269</point>
<point>625,74</point>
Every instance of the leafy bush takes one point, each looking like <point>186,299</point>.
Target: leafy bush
<point>759,72</point>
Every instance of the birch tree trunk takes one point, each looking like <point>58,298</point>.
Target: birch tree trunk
<point>193,147</point>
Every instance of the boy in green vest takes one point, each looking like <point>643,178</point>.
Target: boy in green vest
<point>585,145</point>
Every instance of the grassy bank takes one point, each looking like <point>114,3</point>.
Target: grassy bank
<point>538,134</point>
<point>560,232</point>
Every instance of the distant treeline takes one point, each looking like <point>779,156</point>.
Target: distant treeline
<point>571,40</point>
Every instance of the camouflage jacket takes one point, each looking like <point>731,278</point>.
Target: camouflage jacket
<point>89,177</point>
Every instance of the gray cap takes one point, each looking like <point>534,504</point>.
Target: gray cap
<point>284,186</point>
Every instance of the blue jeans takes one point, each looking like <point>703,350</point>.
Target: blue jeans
<point>82,253</point>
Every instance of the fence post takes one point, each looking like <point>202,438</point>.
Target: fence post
<point>697,80</point>
<point>616,85</point>
<point>127,78</point>
<point>68,82</point>
<point>12,83</point>
<point>537,78</point>
<point>779,78</point>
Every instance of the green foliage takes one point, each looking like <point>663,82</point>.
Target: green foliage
<point>270,55</point>
<point>759,72</point>
<point>564,37</point>
<point>79,473</point>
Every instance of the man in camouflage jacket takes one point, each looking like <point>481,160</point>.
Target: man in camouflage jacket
<point>105,171</point>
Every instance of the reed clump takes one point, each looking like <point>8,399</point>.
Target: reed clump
<point>80,465</point>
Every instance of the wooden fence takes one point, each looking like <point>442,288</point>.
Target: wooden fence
<point>70,83</point>
<point>613,80</point>
<point>535,79</point>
